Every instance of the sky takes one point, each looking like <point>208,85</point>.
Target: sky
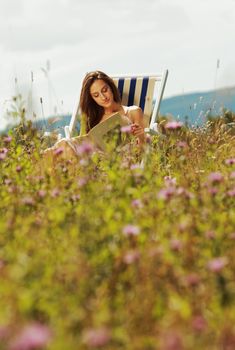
<point>47,46</point>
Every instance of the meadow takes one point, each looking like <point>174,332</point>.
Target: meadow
<point>101,253</point>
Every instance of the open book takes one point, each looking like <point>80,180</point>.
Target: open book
<point>106,132</point>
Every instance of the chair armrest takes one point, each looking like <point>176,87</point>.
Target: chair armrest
<point>67,132</point>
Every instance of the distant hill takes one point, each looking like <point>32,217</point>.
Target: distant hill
<point>195,107</point>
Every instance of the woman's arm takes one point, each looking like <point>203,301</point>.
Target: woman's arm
<point>137,118</point>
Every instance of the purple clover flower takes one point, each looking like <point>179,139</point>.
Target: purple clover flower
<point>217,264</point>
<point>7,139</point>
<point>131,257</point>
<point>85,148</point>
<point>231,193</point>
<point>137,203</point>
<point>232,175</point>
<point>58,151</point>
<point>215,177</point>
<point>131,230</point>
<point>126,129</point>
<point>96,337</point>
<point>173,125</point>
<point>166,193</point>
<point>33,336</point>
<point>230,161</point>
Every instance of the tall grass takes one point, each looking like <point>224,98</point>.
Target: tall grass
<point>98,252</point>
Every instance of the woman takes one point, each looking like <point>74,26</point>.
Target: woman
<point>100,99</point>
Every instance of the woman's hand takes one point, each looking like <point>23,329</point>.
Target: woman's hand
<point>137,130</point>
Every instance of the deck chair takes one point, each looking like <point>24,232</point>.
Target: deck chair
<point>145,91</point>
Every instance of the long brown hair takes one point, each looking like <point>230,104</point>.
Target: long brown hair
<point>88,106</point>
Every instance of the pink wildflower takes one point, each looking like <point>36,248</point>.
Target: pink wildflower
<point>182,144</point>
<point>97,337</point>
<point>170,181</point>
<point>232,235</point>
<point>7,139</point>
<point>192,280</point>
<point>2,156</point>
<point>34,336</point>
<point>137,203</point>
<point>55,192</point>
<point>231,193</point>
<point>131,230</point>
<point>131,257</point>
<point>41,193</point>
<point>58,151</point>
<point>173,125</point>
<point>85,148</point>
<point>232,175</point>
<point>215,177</point>
<point>166,193</point>
<point>176,245</point>
<point>217,264</point>
<point>210,234</point>
<point>230,161</point>
<point>4,332</point>
<point>172,341</point>
<point>126,129</point>
<point>18,168</point>
<point>199,324</point>
<point>212,190</point>
<point>28,200</point>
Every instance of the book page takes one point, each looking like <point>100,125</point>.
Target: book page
<point>108,130</point>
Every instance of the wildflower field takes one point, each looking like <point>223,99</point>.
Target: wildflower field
<point>102,253</point>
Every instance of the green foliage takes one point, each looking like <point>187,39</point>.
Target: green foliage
<point>111,255</point>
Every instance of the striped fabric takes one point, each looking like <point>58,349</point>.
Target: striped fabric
<point>137,91</point>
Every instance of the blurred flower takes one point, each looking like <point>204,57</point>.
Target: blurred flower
<point>7,139</point>
<point>210,234</point>
<point>58,151</point>
<point>4,332</point>
<point>131,230</point>
<point>18,168</point>
<point>55,192</point>
<point>232,175</point>
<point>7,181</point>
<point>182,144</point>
<point>3,156</point>
<point>131,257</point>
<point>173,125</point>
<point>137,203</point>
<point>215,177</point>
<point>176,245</point>
<point>126,129</point>
<point>135,166</point>
<point>34,336</point>
<point>75,197</point>
<point>230,161</point>
<point>170,181</point>
<point>41,193</point>
<point>82,181</point>
<point>166,193</point>
<point>199,324</point>
<point>85,148</point>
<point>192,280</point>
<point>232,235</point>
<point>28,200</point>
<point>4,150</point>
<point>172,341</point>
<point>96,337</point>
<point>212,190</point>
<point>231,193</point>
<point>217,264</point>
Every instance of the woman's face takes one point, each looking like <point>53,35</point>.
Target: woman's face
<point>101,93</point>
